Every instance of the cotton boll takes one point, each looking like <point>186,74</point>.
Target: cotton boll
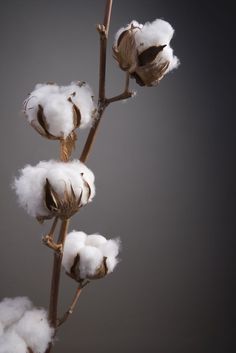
<point>91,259</point>
<point>12,309</point>
<point>95,240</point>
<point>10,342</point>
<point>34,328</point>
<point>73,244</point>
<point>55,112</point>
<point>32,193</point>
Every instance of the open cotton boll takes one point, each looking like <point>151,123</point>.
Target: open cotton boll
<point>35,330</point>
<point>12,309</point>
<point>56,111</point>
<point>145,51</point>
<point>41,189</point>
<point>11,342</point>
<point>91,259</point>
<point>73,244</point>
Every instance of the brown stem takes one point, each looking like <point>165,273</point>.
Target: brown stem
<point>56,274</point>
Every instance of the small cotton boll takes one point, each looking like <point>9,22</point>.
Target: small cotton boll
<point>95,240</point>
<point>91,259</point>
<point>12,309</point>
<point>110,248</point>
<point>73,244</point>
<point>10,342</point>
<point>34,328</point>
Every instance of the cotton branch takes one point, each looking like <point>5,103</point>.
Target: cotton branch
<point>73,304</point>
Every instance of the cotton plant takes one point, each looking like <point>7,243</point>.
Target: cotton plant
<point>57,189</point>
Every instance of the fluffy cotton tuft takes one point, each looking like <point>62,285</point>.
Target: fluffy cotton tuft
<point>10,342</point>
<point>95,255</point>
<point>30,185</point>
<point>12,309</point>
<point>34,328</point>
<point>22,326</point>
<point>55,112</point>
<point>144,51</point>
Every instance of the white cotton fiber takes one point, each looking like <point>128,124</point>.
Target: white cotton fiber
<point>10,342</point>
<point>57,105</point>
<point>158,32</point>
<point>73,244</point>
<point>34,328</point>
<point>95,240</point>
<point>12,309</point>
<point>90,260</point>
<point>29,186</point>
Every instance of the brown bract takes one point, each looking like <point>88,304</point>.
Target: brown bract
<point>125,51</point>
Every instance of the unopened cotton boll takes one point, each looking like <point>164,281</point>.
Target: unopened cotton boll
<point>11,342</point>
<point>89,256</point>
<point>35,330</point>
<point>54,188</point>
<point>56,111</point>
<point>144,51</point>
<point>12,309</point>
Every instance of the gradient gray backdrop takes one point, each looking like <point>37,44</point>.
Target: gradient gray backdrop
<point>164,175</point>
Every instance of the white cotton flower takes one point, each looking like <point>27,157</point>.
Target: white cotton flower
<point>11,342</point>
<point>35,330</point>
<point>144,51</point>
<point>12,309</point>
<point>56,111</point>
<point>53,188</point>
<point>89,256</point>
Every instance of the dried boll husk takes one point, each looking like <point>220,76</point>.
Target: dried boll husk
<point>125,51</point>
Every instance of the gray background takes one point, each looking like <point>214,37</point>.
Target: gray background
<point>164,170</point>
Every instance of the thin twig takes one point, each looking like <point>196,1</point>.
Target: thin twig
<point>73,304</point>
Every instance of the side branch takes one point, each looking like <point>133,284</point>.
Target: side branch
<point>72,306</point>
